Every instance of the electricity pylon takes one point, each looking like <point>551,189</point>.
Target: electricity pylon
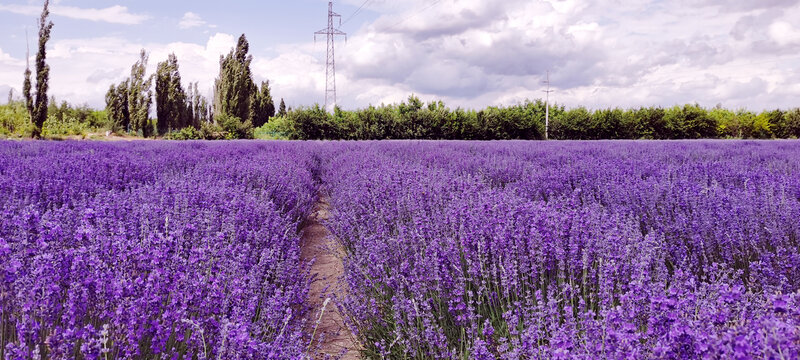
<point>547,108</point>
<point>330,72</point>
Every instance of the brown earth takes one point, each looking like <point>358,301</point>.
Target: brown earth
<point>327,271</point>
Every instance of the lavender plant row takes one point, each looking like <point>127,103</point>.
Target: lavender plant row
<point>608,250</point>
<point>153,250</point>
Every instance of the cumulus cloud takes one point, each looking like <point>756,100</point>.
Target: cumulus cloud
<point>116,14</point>
<point>83,69</point>
<point>475,52</point>
<point>191,20</point>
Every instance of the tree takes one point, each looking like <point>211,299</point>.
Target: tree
<point>37,105</point>
<point>791,123</point>
<point>10,96</point>
<point>140,97</point>
<point>282,110</point>
<point>117,107</point>
<point>172,109</point>
<point>263,108</point>
<point>234,88</point>
<point>201,111</point>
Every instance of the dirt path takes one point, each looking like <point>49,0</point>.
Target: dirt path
<point>327,270</point>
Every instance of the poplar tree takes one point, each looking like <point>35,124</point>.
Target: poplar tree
<point>36,104</point>
<point>117,106</point>
<point>202,113</point>
<point>172,108</point>
<point>140,97</point>
<point>234,88</point>
<point>263,108</point>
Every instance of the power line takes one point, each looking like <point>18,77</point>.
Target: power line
<point>355,12</point>
<point>413,15</point>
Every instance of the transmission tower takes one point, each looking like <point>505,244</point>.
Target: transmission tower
<point>330,72</point>
<point>547,108</point>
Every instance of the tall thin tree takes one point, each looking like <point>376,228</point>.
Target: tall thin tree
<point>171,107</point>
<point>234,89</point>
<point>282,109</point>
<point>37,103</point>
<point>140,96</point>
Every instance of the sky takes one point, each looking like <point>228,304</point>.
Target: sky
<point>469,53</point>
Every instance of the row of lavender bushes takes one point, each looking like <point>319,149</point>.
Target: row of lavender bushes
<point>153,250</point>
<point>569,250</point>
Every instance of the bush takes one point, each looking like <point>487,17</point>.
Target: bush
<point>278,128</point>
<point>187,133</point>
<point>14,120</point>
<point>55,128</point>
<point>226,128</point>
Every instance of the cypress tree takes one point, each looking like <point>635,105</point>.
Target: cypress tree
<point>37,106</point>
<point>282,110</point>
<point>234,88</point>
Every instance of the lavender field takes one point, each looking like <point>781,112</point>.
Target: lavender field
<point>452,250</point>
<point>152,250</point>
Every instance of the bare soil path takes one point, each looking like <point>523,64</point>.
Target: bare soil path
<point>327,271</point>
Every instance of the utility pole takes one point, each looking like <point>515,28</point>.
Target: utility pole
<point>547,108</point>
<point>330,72</point>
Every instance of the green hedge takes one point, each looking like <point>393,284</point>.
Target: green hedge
<point>415,120</point>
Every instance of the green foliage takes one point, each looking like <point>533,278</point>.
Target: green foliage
<point>63,120</point>
<point>55,128</point>
<point>173,110</point>
<point>262,106</point>
<point>311,124</point>
<point>15,120</point>
<point>187,133</point>
<point>234,128</point>
<point>744,124</point>
<point>790,124</point>
<point>648,123</point>
<point>689,122</point>
<point>572,124</point>
<point>117,107</point>
<point>278,128</point>
<point>414,119</point>
<point>234,88</point>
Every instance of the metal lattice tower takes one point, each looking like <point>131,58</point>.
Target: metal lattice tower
<point>547,108</point>
<point>330,72</point>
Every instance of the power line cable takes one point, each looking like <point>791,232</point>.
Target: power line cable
<point>413,15</point>
<point>355,12</point>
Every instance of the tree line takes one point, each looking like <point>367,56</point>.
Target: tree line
<point>239,104</point>
<point>413,119</point>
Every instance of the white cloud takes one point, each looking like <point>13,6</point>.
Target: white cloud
<point>784,33</point>
<point>191,20</point>
<point>116,14</point>
<point>83,69</point>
